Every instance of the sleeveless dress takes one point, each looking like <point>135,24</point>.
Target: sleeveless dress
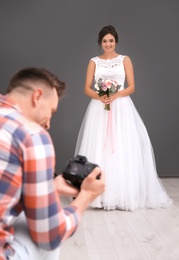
<point>117,140</point>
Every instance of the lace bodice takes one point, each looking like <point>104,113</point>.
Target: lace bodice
<point>110,69</point>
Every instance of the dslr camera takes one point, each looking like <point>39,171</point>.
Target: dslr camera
<point>77,170</point>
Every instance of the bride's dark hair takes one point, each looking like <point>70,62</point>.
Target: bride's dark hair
<point>106,30</point>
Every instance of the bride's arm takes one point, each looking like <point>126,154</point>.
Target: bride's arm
<point>89,81</point>
<point>128,67</point>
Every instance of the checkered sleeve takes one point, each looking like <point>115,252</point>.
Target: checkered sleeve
<point>49,223</point>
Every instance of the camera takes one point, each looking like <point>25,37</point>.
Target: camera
<point>77,170</point>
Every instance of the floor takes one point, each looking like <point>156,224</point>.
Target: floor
<point>120,235</point>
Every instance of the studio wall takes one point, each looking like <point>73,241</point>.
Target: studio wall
<point>62,36</point>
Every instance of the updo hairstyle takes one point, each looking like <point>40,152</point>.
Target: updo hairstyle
<point>107,30</point>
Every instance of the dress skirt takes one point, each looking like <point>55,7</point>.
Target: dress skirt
<point>117,140</point>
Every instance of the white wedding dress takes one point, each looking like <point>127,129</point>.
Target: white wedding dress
<point>118,142</point>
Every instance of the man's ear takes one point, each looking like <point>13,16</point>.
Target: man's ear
<point>36,96</point>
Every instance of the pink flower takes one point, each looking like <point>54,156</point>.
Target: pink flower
<point>108,83</point>
<point>104,86</point>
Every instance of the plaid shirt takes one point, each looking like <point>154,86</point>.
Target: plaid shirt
<point>27,161</point>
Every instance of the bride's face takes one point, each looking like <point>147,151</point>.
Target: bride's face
<point>108,43</point>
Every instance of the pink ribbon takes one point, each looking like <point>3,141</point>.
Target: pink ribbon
<point>109,132</point>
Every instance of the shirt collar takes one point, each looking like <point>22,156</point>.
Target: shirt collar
<point>5,100</point>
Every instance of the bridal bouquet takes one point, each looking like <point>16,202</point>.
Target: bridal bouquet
<point>106,87</point>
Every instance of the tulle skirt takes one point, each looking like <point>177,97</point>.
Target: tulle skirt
<point>118,142</point>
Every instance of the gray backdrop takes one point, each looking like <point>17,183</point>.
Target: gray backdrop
<point>61,36</point>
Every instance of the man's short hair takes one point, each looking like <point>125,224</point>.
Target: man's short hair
<point>23,77</point>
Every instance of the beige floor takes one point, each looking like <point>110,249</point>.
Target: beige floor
<point>120,235</point>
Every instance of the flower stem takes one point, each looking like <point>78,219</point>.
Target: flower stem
<point>107,107</point>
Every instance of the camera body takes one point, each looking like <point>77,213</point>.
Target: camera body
<point>77,170</point>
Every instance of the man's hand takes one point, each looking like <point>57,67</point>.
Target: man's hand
<point>91,188</point>
<point>64,188</point>
<point>94,183</point>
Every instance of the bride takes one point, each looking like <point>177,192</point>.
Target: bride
<point>117,139</point>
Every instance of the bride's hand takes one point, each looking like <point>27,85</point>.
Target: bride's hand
<point>105,99</point>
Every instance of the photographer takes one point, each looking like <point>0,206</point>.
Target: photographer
<point>33,222</point>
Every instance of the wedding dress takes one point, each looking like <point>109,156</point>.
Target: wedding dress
<point>117,140</point>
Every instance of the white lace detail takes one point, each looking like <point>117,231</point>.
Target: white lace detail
<point>108,63</point>
<point>110,69</point>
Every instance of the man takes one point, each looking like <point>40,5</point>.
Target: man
<point>33,222</point>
